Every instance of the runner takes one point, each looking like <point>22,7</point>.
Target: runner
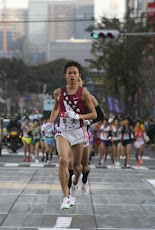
<point>36,135</point>
<point>105,144</point>
<point>26,139</point>
<point>42,140</point>
<point>49,133</point>
<point>127,139</point>
<point>97,141</point>
<point>140,139</point>
<point>86,152</point>
<point>71,100</point>
<point>116,133</point>
<point>91,142</point>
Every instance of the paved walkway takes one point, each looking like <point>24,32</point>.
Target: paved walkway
<point>119,199</point>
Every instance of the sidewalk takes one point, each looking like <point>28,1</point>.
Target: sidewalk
<point>119,199</point>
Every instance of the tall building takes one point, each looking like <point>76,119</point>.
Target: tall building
<point>61,15</point>
<point>71,49</point>
<point>76,17</point>
<point>18,27</point>
<point>38,29</point>
<point>84,15</point>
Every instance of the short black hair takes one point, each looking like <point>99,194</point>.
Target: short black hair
<point>73,63</point>
<point>105,119</point>
<point>35,120</point>
<point>116,118</point>
<point>138,120</point>
<point>26,118</point>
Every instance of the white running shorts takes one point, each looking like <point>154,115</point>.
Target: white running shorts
<point>87,139</point>
<point>74,137</point>
<point>137,144</point>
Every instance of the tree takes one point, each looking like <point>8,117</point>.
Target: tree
<point>123,60</point>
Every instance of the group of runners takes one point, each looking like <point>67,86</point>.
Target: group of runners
<point>76,110</point>
<point>116,137</point>
<point>36,136</point>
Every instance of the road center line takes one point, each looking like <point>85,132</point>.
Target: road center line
<point>63,222</point>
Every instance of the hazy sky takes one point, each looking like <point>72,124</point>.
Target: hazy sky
<point>15,3</point>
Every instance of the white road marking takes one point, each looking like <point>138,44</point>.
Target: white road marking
<point>113,167</point>
<point>6,152</point>
<point>58,229</point>
<point>63,222</point>
<point>11,164</point>
<point>37,165</point>
<point>152,182</point>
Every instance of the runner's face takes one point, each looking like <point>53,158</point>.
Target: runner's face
<point>126,122</point>
<point>36,123</point>
<point>116,122</point>
<point>105,122</point>
<point>26,121</point>
<point>72,75</point>
<point>138,124</point>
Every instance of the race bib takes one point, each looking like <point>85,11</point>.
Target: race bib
<point>69,123</point>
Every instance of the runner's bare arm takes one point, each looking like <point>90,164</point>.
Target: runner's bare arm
<point>95,102</point>
<point>55,110</point>
<point>87,99</point>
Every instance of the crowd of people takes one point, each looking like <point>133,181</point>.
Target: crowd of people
<point>80,127</point>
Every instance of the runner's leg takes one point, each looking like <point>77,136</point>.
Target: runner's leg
<point>77,151</point>
<point>63,148</point>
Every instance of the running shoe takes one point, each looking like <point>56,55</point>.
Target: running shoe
<point>117,163</point>
<point>29,159</point>
<point>128,166</point>
<point>85,189</point>
<point>72,200</point>
<point>37,161</point>
<point>137,164</point>
<point>74,188</point>
<point>65,203</point>
<point>25,159</point>
<point>141,161</point>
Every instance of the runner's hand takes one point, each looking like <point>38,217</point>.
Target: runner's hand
<point>87,122</point>
<point>47,125</point>
<point>72,114</point>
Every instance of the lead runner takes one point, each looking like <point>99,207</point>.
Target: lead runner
<point>70,102</point>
